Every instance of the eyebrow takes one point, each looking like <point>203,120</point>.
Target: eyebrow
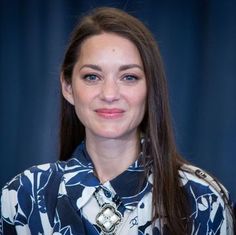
<point>92,66</point>
<point>130,66</point>
<point>122,67</point>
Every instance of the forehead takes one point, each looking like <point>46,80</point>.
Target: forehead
<point>107,37</point>
<point>109,45</point>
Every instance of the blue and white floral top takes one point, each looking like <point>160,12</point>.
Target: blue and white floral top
<point>59,199</point>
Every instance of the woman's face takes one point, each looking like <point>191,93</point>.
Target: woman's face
<point>108,87</point>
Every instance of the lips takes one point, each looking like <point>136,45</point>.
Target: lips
<point>110,113</point>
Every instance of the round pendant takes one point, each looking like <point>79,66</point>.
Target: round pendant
<point>108,219</point>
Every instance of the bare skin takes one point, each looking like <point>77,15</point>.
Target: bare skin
<point>108,91</point>
<point>112,157</point>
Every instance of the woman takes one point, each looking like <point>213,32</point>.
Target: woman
<point>120,171</point>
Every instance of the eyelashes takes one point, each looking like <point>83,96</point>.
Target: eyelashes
<point>130,78</point>
<point>94,78</point>
<point>90,77</point>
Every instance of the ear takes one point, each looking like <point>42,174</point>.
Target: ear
<point>66,90</point>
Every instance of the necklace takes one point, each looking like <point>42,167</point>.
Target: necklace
<point>108,218</point>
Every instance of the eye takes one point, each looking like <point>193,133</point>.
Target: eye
<point>130,78</point>
<point>90,77</point>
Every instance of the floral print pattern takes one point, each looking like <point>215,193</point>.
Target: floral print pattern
<point>58,199</point>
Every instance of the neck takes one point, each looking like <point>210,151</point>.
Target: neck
<point>112,156</point>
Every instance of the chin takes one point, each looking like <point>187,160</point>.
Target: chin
<point>114,133</point>
<point>110,135</point>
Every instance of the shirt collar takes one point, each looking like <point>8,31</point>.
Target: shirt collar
<point>79,179</point>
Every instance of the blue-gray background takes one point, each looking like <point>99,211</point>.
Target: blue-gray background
<point>197,39</point>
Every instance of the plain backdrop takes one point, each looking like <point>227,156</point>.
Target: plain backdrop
<point>197,39</point>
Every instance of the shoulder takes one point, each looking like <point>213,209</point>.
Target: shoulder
<point>27,185</point>
<point>198,181</point>
<point>209,201</point>
<point>29,190</point>
<point>39,178</point>
<point>36,175</point>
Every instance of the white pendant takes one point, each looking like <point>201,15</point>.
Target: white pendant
<point>108,219</point>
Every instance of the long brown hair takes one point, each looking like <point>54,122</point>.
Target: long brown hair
<point>168,197</point>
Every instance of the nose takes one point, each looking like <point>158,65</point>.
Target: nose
<point>110,90</point>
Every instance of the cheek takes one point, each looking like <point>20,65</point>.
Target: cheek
<point>139,103</point>
<point>139,98</point>
<point>81,103</point>
<point>143,103</point>
<point>82,97</point>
